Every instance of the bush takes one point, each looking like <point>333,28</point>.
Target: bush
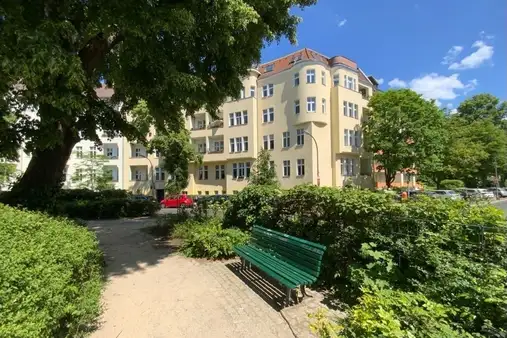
<point>50,275</point>
<point>451,184</point>
<point>253,205</point>
<point>208,239</point>
<point>106,208</point>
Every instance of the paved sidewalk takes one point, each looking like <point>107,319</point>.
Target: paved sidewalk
<point>153,292</point>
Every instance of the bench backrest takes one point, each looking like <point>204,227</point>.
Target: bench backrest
<point>298,252</point>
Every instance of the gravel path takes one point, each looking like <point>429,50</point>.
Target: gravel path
<point>153,292</point>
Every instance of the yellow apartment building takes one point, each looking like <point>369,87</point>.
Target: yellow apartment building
<point>305,108</point>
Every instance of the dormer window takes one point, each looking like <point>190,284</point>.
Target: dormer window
<point>269,68</point>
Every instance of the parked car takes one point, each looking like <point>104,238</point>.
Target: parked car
<point>177,201</point>
<point>212,198</point>
<point>142,198</point>
<point>499,192</point>
<point>486,193</point>
<point>468,193</point>
<point>446,194</point>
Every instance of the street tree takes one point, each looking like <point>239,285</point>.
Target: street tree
<point>402,130</point>
<point>177,55</point>
<point>7,173</point>
<point>263,171</point>
<point>92,173</point>
<point>483,107</point>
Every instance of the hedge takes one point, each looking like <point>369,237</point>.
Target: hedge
<point>452,184</point>
<point>106,208</point>
<point>451,252</point>
<point>50,275</point>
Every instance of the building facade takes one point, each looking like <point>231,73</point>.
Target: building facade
<point>305,108</point>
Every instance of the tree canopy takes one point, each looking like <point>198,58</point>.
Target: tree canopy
<point>402,130</point>
<point>263,171</point>
<point>176,55</point>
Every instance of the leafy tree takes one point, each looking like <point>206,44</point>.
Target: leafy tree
<point>483,106</point>
<point>263,173</point>
<point>177,55</point>
<point>402,131</point>
<point>7,172</point>
<point>92,174</point>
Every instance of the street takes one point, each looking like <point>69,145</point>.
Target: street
<point>502,205</point>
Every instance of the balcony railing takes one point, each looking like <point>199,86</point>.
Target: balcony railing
<point>216,124</point>
<point>198,127</point>
<point>215,151</point>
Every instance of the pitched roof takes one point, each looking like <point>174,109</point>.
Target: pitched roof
<point>288,61</point>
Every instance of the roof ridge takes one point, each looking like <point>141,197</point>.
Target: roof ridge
<point>283,57</point>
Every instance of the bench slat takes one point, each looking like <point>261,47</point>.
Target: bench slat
<point>296,239</point>
<point>304,249</point>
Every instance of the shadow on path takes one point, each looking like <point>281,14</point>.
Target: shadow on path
<point>264,286</point>
<point>126,248</point>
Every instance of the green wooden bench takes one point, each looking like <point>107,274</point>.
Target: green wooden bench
<point>292,261</point>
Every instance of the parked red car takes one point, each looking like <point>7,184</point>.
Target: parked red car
<point>176,201</point>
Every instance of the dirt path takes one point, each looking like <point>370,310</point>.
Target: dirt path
<point>153,292</point>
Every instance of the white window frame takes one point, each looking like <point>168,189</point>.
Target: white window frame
<point>239,144</point>
<point>286,139</point>
<point>234,170</point>
<point>296,79</point>
<point>300,137</point>
<point>286,168</point>
<point>324,104</point>
<point>241,170</point>
<point>239,118</point>
<point>220,172</point>
<point>297,107</point>
<point>310,75</point>
<point>268,90</point>
<point>311,103</point>
<point>137,152</point>
<point>351,109</point>
<point>79,174</point>
<point>244,117</point>
<point>336,80</point>
<point>245,143</point>
<point>242,93</point>
<point>93,151</point>
<point>252,91</point>
<point>345,108</point>
<point>323,77</point>
<point>232,120</point>
<point>138,175</point>
<point>356,113</point>
<point>268,115</point>
<point>300,167</point>
<point>218,146</point>
<point>348,166</point>
<point>232,145</point>
<point>79,152</point>
<point>357,138</point>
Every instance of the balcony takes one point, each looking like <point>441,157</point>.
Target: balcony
<point>216,124</point>
<point>198,127</point>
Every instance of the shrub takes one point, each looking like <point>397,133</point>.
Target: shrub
<point>253,205</point>
<point>106,208</point>
<point>50,275</point>
<point>451,184</point>
<point>209,240</point>
<point>87,194</point>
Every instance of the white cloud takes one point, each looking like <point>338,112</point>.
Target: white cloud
<point>380,81</point>
<point>483,36</point>
<point>397,83</point>
<point>452,54</point>
<point>453,111</point>
<point>342,23</point>
<point>437,87</point>
<point>449,105</point>
<point>483,53</point>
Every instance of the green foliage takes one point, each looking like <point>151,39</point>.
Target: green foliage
<point>402,130</point>
<point>91,173</point>
<point>483,107</point>
<point>87,194</point>
<point>253,205</point>
<point>322,325</point>
<point>178,56</point>
<point>451,184</point>
<point>50,273</point>
<point>107,208</point>
<point>263,173</point>
<point>7,172</point>
<point>208,240</point>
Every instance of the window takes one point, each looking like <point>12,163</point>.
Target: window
<point>336,80</point>
<point>269,68</point>
<point>242,93</point>
<point>268,115</point>
<point>310,76</point>
<point>109,152</point>
<point>296,107</point>
<point>201,124</point>
<point>296,79</point>
<point>138,175</point>
<point>286,168</point>
<point>267,90</point>
<point>216,192</point>
<point>218,146</point>
<point>348,166</point>
<point>357,138</point>
<point>269,141</point>
<point>203,172</point>
<point>245,143</point>
<point>231,119</point>
<point>356,115</point>
<point>220,172</point>
<point>286,139</point>
<point>79,174</point>
<point>345,111</point>
<point>351,109</point>
<point>137,152</point>
<point>348,138</point>
<point>201,148</point>
<point>247,169</point>
<point>245,117</point>
<point>157,153</point>
<point>301,167</point>
<point>323,77</point>
<point>93,151</point>
<point>239,145</point>
<point>310,104</point>
<point>206,192</point>
<point>323,106</point>
<point>300,137</point>
<point>159,174</point>
<point>241,170</point>
<point>199,192</point>
<point>238,118</point>
<point>232,145</point>
<point>234,170</point>
<point>79,152</point>
<point>252,91</point>
<point>350,82</point>
<point>224,192</point>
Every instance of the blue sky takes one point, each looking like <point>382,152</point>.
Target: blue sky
<point>447,50</point>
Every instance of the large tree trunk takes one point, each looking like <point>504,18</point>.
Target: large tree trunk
<point>44,174</point>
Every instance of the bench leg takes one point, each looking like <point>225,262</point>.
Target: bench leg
<point>249,265</point>
<point>287,301</point>
<point>243,264</point>
<point>303,291</point>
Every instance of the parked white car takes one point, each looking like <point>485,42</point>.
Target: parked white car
<point>498,192</point>
<point>486,193</point>
<point>446,194</point>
